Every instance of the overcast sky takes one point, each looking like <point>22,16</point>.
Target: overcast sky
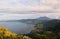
<point>30,5</point>
<point>20,5</point>
<point>50,5</point>
<point>5,16</point>
<point>44,7</point>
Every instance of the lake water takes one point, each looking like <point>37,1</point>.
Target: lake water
<point>17,27</point>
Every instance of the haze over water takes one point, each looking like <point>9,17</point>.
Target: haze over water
<point>19,27</point>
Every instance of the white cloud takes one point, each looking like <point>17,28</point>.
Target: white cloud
<point>50,5</point>
<point>7,16</point>
<point>20,5</point>
<point>30,5</point>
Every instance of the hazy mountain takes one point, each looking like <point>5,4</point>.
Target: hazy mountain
<point>35,21</point>
<point>32,21</point>
<point>43,18</point>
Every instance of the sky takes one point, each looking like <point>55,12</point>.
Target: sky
<point>30,5</point>
<point>5,16</point>
<point>50,5</point>
<point>20,5</point>
<point>14,9</point>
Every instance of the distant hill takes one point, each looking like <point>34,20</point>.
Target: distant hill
<point>34,21</point>
<point>31,21</point>
<point>44,18</point>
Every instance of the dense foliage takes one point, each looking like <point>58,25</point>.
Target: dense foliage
<point>6,34</point>
<point>52,32</point>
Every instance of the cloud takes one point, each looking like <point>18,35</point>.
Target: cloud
<point>9,16</point>
<point>50,5</point>
<point>44,6</point>
<point>20,5</point>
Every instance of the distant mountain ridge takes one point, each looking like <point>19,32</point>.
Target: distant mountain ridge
<point>44,18</point>
<point>34,21</point>
<point>31,21</point>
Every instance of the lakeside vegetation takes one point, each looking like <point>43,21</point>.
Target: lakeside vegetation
<point>50,32</point>
<point>40,31</point>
